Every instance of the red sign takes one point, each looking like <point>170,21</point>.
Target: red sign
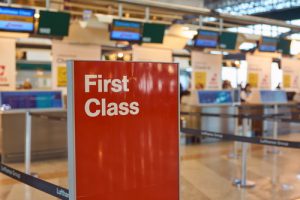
<point>123,130</point>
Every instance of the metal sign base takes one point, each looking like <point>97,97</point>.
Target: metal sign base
<point>273,150</point>
<point>233,155</point>
<point>246,184</point>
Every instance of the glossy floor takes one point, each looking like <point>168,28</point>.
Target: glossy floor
<point>207,172</point>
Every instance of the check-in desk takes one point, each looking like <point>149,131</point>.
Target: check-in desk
<point>193,104</point>
<point>48,136</point>
<point>263,102</point>
<point>216,124</point>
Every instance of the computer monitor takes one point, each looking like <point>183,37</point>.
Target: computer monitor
<point>54,23</point>
<point>31,99</point>
<point>206,39</point>
<point>273,96</point>
<point>228,40</point>
<point>284,46</point>
<point>126,31</point>
<point>16,19</point>
<point>215,96</point>
<point>268,44</point>
<point>153,33</point>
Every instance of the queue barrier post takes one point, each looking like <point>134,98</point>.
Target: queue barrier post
<point>243,182</point>
<point>236,145</point>
<point>274,150</point>
<point>28,143</point>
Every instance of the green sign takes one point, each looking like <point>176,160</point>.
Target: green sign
<point>153,33</point>
<point>284,46</point>
<point>228,40</point>
<point>54,23</point>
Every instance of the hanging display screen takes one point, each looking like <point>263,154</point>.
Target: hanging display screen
<point>268,44</point>
<point>284,46</point>
<point>228,40</point>
<point>153,33</point>
<point>207,39</point>
<point>54,23</point>
<point>126,31</point>
<point>16,19</point>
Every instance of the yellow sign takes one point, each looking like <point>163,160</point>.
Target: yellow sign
<point>253,79</point>
<point>61,76</point>
<point>287,80</point>
<point>200,80</point>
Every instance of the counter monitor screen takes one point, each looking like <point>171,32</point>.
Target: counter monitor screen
<point>31,100</point>
<point>273,96</point>
<point>126,31</point>
<point>207,39</point>
<point>16,19</point>
<point>268,44</point>
<point>54,23</point>
<point>215,97</point>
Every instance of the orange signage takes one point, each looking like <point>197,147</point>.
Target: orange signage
<point>123,130</point>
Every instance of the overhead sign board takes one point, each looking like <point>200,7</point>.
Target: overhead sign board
<point>123,130</point>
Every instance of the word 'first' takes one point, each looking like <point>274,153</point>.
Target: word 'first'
<point>103,85</point>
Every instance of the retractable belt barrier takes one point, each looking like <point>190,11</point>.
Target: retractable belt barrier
<point>268,117</point>
<point>244,116</point>
<point>36,183</point>
<point>253,140</point>
<point>232,137</point>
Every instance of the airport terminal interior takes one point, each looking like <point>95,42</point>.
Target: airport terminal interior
<point>150,99</point>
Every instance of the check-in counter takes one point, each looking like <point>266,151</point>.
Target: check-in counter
<point>218,124</point>
<point>49,137</point>
<point>262,103</point>
<point>210,105</point>
<point>266,102</point>
<point>48,132</point>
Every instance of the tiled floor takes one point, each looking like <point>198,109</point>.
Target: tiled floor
<point>206,173</point>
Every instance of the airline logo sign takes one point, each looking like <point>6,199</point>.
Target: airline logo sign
<point>123,130</point>
<point>2,70</point>
<point>3,78</point>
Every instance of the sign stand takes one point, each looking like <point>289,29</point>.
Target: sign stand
<point>123,130</point>
<point>243,182</point>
